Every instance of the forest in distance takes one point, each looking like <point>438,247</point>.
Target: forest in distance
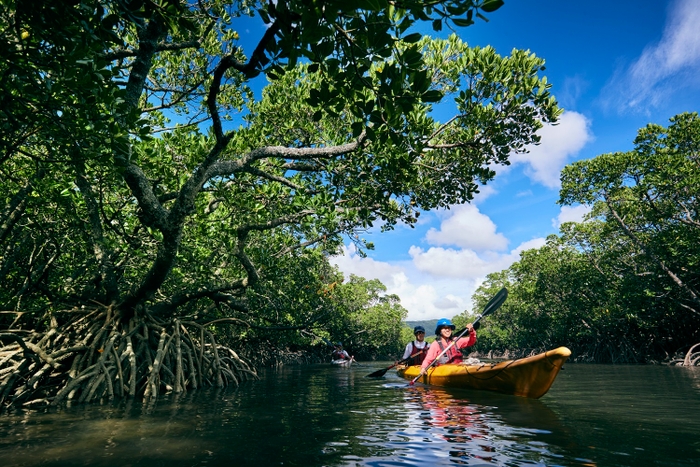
<point>163,228</point>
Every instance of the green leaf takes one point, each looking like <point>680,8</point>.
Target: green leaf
<point>357,128</point>
<point>462,22</point>
<point>432,96</point>
<point>491,5</point>
<point>412,38</point>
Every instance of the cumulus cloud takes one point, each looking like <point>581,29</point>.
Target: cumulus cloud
<point>351,263</point>
<point>448,262</point>
<point>466,227</point>
<point>559,144</point>
<point>664,68</point>
<point>449,302</point>
<point>570,214</point>
<point>529,245</point>
<point>438,282</point>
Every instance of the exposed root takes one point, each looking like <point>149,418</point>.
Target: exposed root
<point>94,356</point>
<point>692,358</point>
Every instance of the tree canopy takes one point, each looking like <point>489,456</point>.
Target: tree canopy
<point>324,152</point>
<point>146,177</point>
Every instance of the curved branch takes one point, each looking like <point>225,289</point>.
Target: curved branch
<point>289,249</point>
<point>274,178</point>
<point>148,40</point>
<point>248,69</point>
<point>222,168</point>
<point>154,215</point>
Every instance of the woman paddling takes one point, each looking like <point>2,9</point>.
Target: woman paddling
<point>443,333</point>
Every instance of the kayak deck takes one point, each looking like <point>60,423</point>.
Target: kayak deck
<point>527,377</point>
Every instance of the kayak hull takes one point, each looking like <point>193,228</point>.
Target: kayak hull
<point>341,362</point>
<point>527,377</point>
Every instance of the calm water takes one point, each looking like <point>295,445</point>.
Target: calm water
<point>320,415</point>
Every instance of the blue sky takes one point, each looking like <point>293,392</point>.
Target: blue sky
<point>614,67</point>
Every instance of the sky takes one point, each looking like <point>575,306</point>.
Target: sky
<point>614,67</point>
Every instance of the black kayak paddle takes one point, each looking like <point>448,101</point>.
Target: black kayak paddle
<point>382,372</point>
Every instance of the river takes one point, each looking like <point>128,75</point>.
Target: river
<point>319,415</point>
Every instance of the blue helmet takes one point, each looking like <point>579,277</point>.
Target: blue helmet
<point>443,323</point>
<point>418,329</point>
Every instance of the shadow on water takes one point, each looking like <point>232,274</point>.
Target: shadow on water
<point>318,415</point>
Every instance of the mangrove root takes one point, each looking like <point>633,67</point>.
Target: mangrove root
<point>94,356</point>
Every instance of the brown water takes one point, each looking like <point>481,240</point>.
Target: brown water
<point>320,415</point>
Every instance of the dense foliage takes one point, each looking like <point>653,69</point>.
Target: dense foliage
<point>151,193</point>
<point>623,285</point>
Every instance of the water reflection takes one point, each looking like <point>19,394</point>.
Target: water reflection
<point>470,428</point>
<point>325,416</point>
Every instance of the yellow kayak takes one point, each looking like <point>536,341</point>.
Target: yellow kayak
<point>527,377</point>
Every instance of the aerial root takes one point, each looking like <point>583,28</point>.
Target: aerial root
<point>692,358</point>
<point>93,357</point>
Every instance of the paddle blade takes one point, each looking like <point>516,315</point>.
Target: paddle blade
<point>378,373</point>
<point>495,303</point>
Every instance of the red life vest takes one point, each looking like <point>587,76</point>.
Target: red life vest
<point>453,355</point>
<point>417,359</point>
<point>339,355</point>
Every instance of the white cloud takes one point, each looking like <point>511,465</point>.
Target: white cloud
<point>438,282</point>
<point>485,191</point>
<point>448,302</point>
<point>466,227</point>
<point>662,69</point>
<point>572,89</point>
<point>571,214</point>
<point>351,263</point>
<point>558,145</point>
<point>529,245</point>
<point>448,262</point>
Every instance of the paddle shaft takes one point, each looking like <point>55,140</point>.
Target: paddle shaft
<point>493,304</point>
<point>381,372</point>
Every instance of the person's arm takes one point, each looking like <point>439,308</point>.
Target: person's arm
<point>432,353</point>
<point>407,352</point>
<point>468,340</point>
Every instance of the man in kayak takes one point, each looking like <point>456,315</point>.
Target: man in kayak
<point>339,353</point>
<point>416,350</point>
<point>443,339</point>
